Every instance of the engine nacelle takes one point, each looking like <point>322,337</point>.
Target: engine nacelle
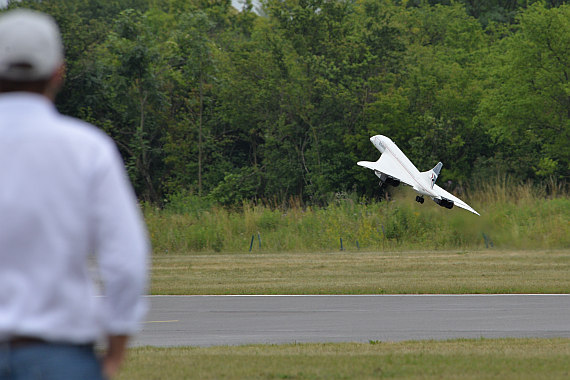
<point>392,182</point>
<point>444,203</point>
<point>385,180</point>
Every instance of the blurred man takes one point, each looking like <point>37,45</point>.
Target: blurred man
<point>64,196</point>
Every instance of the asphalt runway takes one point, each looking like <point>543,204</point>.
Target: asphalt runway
<point>237,320</point>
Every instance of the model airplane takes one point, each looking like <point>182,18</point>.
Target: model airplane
<point>394,167</point>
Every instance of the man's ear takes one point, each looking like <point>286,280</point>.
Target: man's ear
<point>55,83</point>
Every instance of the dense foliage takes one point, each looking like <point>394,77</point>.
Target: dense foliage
<point>203,99</point>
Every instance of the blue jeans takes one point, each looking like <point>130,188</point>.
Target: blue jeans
<point>49,361</point>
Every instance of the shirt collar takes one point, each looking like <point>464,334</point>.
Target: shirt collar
<point>24,103</point>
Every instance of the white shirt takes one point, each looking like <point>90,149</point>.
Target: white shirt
<point>64,195</point>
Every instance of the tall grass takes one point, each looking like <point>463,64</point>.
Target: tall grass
<point>520,216</point>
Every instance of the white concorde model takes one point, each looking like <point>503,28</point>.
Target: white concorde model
<point>394,167</point>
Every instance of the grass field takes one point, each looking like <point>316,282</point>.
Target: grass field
<point>454,359</point>
<point>422,272</point>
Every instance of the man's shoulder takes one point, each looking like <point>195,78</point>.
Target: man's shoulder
<point>83,131</point>
<point>85,142</point>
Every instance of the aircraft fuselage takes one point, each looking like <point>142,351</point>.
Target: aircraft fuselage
<point>422,185</point>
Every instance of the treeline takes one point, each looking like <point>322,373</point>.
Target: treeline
<point>280,101</point>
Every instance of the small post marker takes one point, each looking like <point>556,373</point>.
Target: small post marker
<point>341,248</point>
<point>259,238</point>
<point>488,241</point>
<point>251,244</point>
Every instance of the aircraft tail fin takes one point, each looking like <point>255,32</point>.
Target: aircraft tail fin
<point>437,168</point>
<point>433,173</point>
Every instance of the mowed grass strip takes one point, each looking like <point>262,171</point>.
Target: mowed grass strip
<point>429,272</point>
<point>454,359</point>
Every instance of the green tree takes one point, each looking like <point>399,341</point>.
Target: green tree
<point>528,107</point>
<point>338,51</point>
<point>428,106</point>
<point>192,74</point>
<point>133,99</point>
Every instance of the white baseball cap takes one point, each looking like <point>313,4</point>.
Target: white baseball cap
<point>30,45</point>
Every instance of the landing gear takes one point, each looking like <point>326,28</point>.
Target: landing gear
<point>419,199</point>
<point>444,203</point>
